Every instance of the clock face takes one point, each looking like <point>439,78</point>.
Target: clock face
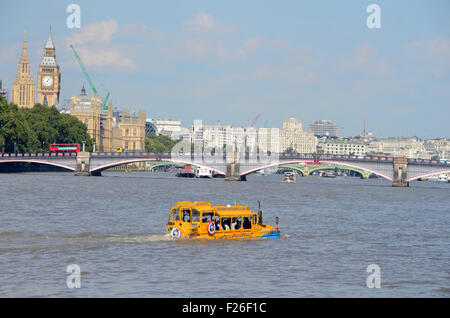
<point>47,80</point>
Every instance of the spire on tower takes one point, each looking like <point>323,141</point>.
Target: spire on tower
<point>49,44</point>
<point>24,61</point>
<point>24,40</point>
<point>24,47</point>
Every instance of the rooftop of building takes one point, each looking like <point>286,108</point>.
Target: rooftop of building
<point>323,121</point>
<point>343,141</point>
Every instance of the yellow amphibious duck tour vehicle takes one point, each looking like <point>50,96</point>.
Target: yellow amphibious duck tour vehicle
<point>202,220</point>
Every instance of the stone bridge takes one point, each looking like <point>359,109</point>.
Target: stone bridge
<point>399,170</point>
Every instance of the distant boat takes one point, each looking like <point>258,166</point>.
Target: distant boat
<point>328,174</point>
<point>186,172</point>
<point>203,172</point>
<point>218,175</point>
<point>443,177</point>
<point>260,172</point>
<point>289,177</point>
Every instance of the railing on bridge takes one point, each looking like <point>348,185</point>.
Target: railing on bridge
<point>244,155</point>
<point>162,155</point>
<point>37,154</point>
<point>286,156</point>
<point>369,158</point>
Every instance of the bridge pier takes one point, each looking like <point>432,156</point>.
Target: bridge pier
<point>305,172</point>
<point>233,168</point>
<point>365,175</point>
<point>83,165</point>
<point>233,173</point>
<point>400,166</point>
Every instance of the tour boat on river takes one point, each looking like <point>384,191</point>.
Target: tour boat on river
<point>202,220</point>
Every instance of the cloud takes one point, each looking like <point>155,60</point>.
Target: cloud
<point>205,23</point>
<point>94,44</point>
<point>285,72</point>
<point>430,56</point>
<point>439,48</point>
<point>107,58</point>
<point>140,32</point>
<point>99,32</point>
<point>249,46</point>
<point>221,49</point>
<point>10,54</point>
<point>365,60</point>
<point>199,47</point>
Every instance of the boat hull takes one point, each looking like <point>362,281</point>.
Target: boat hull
<point>263,232</point>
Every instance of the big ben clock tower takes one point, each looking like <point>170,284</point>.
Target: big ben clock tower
<point>49,76</point>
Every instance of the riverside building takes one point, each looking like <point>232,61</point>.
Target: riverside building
<point>342,146</point>
<point>293,138</point>
<point>110,130</point>
<point>324,128</point>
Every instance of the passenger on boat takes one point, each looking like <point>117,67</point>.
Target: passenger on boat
<point>195,216</point>
<point>247,224</point>
<point>226,223</point>
<point>217,222</point>
<point>236,225</point>
<point>186,216</point>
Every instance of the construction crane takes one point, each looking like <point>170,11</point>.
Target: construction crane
<point>253,123</point>
<point>83,68</point>
<point>254,120</point>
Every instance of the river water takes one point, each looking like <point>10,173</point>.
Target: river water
<point>112,227</point>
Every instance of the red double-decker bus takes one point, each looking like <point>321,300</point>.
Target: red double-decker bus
<point>64,148</point>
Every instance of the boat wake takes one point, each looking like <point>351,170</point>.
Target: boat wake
<point>139,238</point>
<point>10,241</point>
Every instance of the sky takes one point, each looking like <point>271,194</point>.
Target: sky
<point>228,61</point>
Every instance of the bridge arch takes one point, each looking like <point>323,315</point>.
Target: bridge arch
<point>293,167</point>
<point>428,174</point>
<point>351,166</point>
<point>163,164</point>
<point>125,161</point>
<point>333,167</point>
<point>37,161</point>
<point>249,171</point>
<point>302,169</point>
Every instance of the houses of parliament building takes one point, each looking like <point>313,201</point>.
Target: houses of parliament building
<point>110,130</point>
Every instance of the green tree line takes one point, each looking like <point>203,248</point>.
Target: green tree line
<point>155,143</point>
<point>34,129</point>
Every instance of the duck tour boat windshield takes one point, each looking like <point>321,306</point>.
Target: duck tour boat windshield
<point>202,220</point>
